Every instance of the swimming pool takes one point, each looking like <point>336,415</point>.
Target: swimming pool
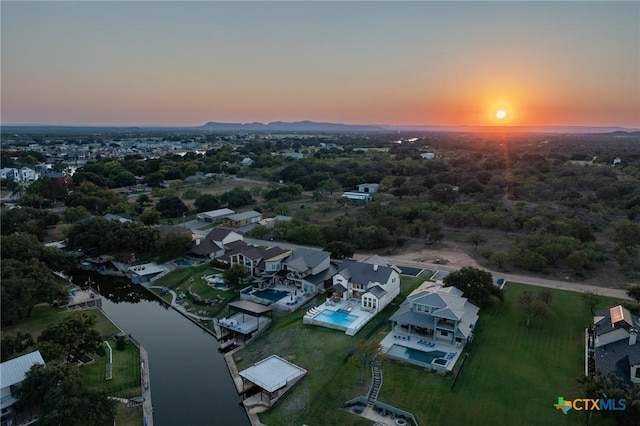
<point>414,356</point>
<point>341,317</point>
<point>183,262</point>
<point>270,294</point>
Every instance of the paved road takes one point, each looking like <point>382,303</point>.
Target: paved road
<point>524,279</point>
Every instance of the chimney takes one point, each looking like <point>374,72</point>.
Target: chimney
<point>375,266</point>
<point>633,335</point>
<point>198,241</point>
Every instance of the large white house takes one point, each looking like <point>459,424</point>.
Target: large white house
<point>373,286</point>
<point>437,314</point>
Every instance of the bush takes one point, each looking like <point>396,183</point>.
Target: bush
<point>121,342</point>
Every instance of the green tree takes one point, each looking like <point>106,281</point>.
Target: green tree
<point>24,285</point>
<point>173,245</point>
<point>74,214</point>
<point>535,304</point>
<point>207,202</point>
<point>62,397</point>
<point>171,207</point>
<point>235,276</point>
<point>150,217</point>
<point>634,293</point>
<point>14,344</point>
<point>477,285</point>
<point>339,249</point>
<point>76,334</point>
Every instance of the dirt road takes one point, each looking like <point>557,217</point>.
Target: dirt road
<point>451,260</point>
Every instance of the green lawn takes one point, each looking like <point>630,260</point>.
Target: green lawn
<point>513,375</point>
<point>42,316</point>
<point>184,279</point>
<point>125,382</point>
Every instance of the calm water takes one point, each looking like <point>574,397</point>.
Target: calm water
<point>190,382</point>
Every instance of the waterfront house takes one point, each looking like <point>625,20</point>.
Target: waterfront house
<point>436,314</point>
<point>12,373</point>
<point>307,269</point>
<point>374,286</point>
<point>215,243</point>
<point>259,260</point>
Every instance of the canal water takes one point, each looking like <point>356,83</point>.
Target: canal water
<point>190,381</point>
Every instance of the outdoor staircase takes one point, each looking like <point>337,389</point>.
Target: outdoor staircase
<point>376,373</point>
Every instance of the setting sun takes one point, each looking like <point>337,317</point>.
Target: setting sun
<point>501,114</point>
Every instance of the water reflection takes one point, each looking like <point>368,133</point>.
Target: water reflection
<point>190,381</point>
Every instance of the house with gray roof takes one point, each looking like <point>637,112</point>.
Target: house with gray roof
<point>215,244</point>
<point>372,285</point>
<point>436,314</point>
<point>307,269</point>
<point>612,344</point>
<point>12,373</point>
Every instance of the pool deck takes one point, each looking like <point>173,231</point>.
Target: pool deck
<point>406,340</point>
<point>354,308</point>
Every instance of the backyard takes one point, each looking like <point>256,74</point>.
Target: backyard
<point>513,373</point>
<point>193,290</point>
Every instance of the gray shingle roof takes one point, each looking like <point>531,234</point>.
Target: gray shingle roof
<point>365,273</point>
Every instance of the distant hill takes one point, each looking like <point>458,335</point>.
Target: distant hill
<point>297,126</point>
<point>313,126</point>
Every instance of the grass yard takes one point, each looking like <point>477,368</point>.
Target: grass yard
<point>126,416</point>
<point>184,279</point>
<point>513,375</point>
<point>125,382</point>
<point>42,316</point>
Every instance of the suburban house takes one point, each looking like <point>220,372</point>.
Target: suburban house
<point>27,174</point>
<point>247,161</point>
<point>612,344</point>
<point>12,373</point>
<point>307,269</point>
<point>214,216</point>
<point>242,219</point>
<point>259,260</point>
<point>427,155</point>
<point>9,174</point>
<point>370,188</point>
<point>373,285</point>
<point>215,243</point>
<point>436,314</point>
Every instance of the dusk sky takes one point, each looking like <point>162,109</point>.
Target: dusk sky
<point>400,63</point>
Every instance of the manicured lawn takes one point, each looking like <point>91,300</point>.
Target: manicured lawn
<point>126,416</point>
<point>42,316</point>
<point>125,382</point>
<point>513,375</point>
<point>185,279</point>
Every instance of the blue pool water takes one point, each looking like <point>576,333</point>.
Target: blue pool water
<point>414,356</point>
<point>270,294</point>
<point>182,262</point>
<point>340,317</point>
